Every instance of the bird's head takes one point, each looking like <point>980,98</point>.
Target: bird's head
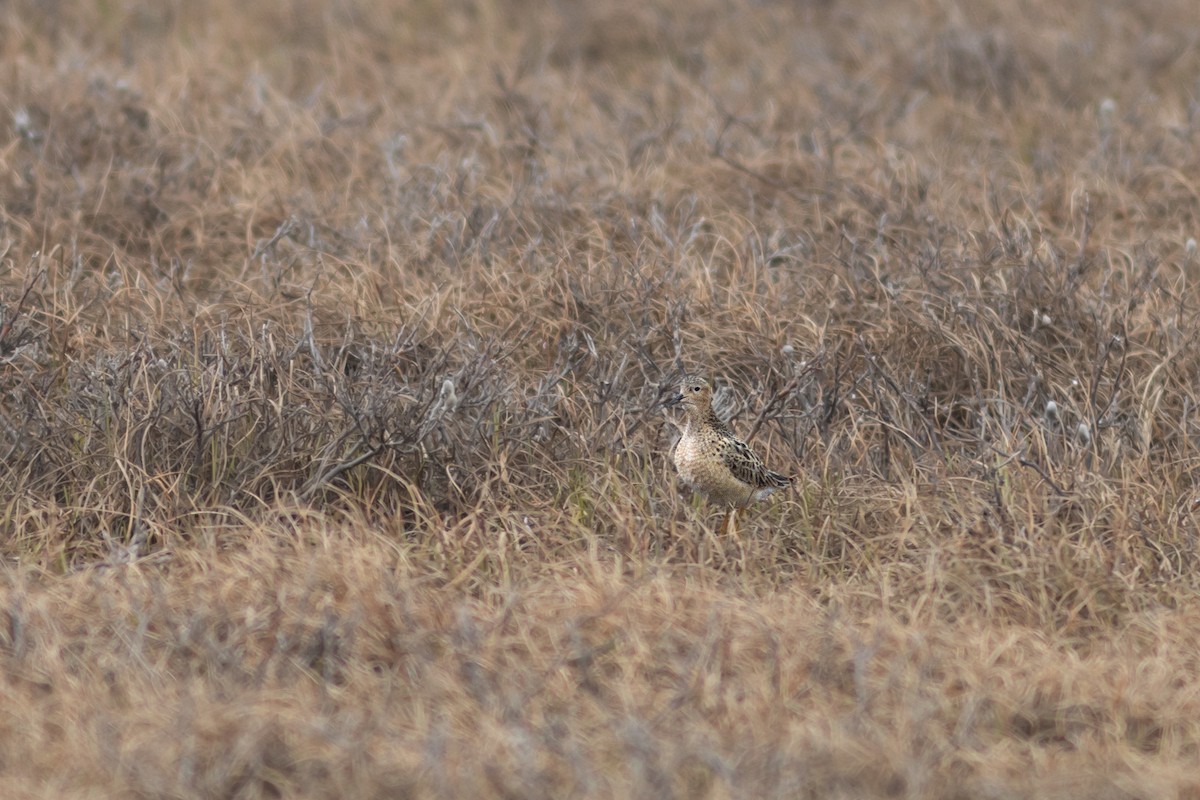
<point>694,393</point>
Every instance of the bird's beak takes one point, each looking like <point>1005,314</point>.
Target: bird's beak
<point>673,400</point>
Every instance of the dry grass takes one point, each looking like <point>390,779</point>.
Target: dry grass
<point>331,342</point>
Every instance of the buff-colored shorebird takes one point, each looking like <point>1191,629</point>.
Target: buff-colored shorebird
<point>713,461</point>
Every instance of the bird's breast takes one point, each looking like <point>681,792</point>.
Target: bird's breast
<point>700,464</point>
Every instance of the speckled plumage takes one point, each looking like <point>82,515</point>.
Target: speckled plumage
<point>711,459</point>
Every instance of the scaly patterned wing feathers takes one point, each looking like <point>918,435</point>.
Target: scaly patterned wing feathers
<point>748,468</point>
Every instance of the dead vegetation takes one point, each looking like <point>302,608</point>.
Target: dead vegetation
<point>332,338</point>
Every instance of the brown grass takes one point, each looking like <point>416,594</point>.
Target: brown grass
<point>332,337</point>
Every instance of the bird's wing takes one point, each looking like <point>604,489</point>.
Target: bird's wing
<point>748,468</point>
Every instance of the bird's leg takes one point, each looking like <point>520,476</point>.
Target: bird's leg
<point>719,538</point>
<point>741,546</point>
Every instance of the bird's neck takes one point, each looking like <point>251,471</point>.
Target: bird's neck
<point>704,418</point>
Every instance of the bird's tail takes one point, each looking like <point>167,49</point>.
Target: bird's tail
<point>781,480</point>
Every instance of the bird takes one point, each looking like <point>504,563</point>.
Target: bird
<point>713,460</point>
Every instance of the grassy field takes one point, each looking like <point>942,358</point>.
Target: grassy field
<point>333,339</point>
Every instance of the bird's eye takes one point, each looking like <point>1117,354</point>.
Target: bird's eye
<point>695,388</point>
